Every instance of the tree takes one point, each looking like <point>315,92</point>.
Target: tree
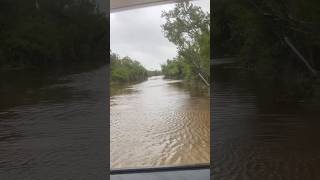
<point>188,27</point>
<point>51,33</point>
<point>258,32</point>
<point>125,70</point>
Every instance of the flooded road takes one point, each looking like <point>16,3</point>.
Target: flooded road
<point>159,122</point>
<point>259,135</point>
<point>53,124</point>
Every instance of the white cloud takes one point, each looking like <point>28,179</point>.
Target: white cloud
<point>137,34</point>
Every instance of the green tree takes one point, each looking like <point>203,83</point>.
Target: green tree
<point>188,27</point>
<point>51,33</point>
<point>125,70</point>
<point>258,32</point>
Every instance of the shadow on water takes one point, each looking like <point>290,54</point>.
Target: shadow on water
<point>260,133</point>
<point>118,89</point>
<point>195,89</point>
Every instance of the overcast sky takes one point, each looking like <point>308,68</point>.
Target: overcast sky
<point>137,34</point>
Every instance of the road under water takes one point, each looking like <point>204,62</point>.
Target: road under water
<point>159,122</point>
<point>256,134</point>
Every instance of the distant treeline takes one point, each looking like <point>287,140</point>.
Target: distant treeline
<point>126,70</point>
<point>154,73</point>
<point>51,32</point>
<point>258,32</point>
<point>188,27</point>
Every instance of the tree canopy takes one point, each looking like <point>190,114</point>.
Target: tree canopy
<point>46,32</point>
<point>255,30</point>
<point>277,39</point>
<point>125,70</point>
<point>188,27</point>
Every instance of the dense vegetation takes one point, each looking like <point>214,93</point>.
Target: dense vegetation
<point>125,70</point>
<point>268,36</point>
<point>175,69</point>
<point>51,32</point>
<point>188,27</point>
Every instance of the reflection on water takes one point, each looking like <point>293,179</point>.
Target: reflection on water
<point>257,136</point>
<point>159,122</point>
<point>52,124</point>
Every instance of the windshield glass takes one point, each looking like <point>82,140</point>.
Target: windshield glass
<point>159,101</point>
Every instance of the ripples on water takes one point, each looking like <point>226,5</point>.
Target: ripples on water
<point>53,127</point>
<point>159,123</point>
<point>257,137</point>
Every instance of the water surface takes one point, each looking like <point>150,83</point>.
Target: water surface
<point>260,134</point>
<point>159,122</point>
<point>53,124</point>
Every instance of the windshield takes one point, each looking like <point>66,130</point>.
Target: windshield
<point>159,102</point>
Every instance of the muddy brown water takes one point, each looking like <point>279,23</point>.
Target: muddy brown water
<point>53,123</point>
<point>259,134</point>
<point>159,122</point>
